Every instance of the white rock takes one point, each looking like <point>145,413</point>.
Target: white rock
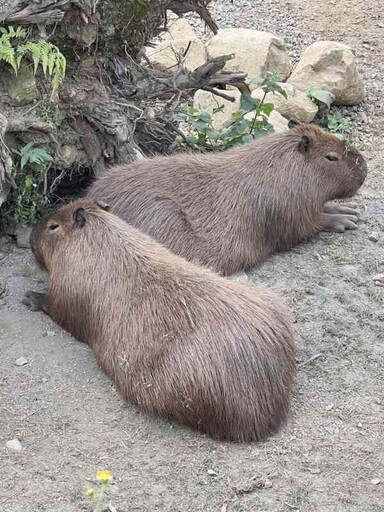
<point>297,105</point>
<point>21,361</point>
<point>256,52</point>
<point>178,28</point>
<point>14,445</point>
<point>331,66</point>
<point>166,55</point>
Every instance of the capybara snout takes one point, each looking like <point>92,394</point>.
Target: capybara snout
<point>177,339</point>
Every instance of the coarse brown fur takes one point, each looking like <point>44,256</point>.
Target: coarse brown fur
<point>231,210</point>
<point>177,339</point>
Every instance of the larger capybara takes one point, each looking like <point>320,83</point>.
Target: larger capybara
<point>177,339</point>
<point>231,210</point>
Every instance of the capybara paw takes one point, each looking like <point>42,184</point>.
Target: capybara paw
<point>33,300</point>
<point>342,208</point>
<point>338,223</point>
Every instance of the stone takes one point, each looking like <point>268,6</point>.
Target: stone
<point>14,445</point>
<point>373,237</point>
<point>297,105</point>
<point>22,236</point>
<point>22,87</point>
<point>207,101</point>
<point>178,28</point>
<point>166,55</point>
<point>21,361</point>
<point>256,53</point>
<point>330,66</point>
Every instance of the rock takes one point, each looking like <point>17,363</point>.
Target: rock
<point>256,52</point>
<point>207,101</point>
<point>48,334</point>
<point>373,237</point>
<point>14,445</point>
<point>330,66</point>
<point>22,236</point>
<point>279,123</point>
<point>178,28</point>
<point>21,361</point>
<point>166,55</point>
<point>378,279</point>
<point>297,106</point>
<point>22,87</point>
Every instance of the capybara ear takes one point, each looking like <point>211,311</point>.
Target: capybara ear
<point>103,206</point>
<point>304,144</point>
<point>79,218</point>
<point>292,123</point>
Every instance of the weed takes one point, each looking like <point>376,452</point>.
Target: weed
<point>27,195</point>
<point>240,129</point>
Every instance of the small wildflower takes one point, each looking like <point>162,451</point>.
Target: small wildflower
<point>91,493</point>
<point>103,476</point>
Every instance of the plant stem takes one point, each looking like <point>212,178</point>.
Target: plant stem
<point>258,110</point>
<point>100,498</point>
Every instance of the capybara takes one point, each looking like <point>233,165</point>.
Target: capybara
<point>177,339</point>
<point>231,210</point>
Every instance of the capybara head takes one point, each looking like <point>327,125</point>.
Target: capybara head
<point>56,227</point>
<point>341,168</point>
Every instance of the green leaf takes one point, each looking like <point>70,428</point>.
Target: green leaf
<point>325,97</point>
<point>247,138</point>
<point>257,80</point>
<point>247,103</point>
<point>267,108</point>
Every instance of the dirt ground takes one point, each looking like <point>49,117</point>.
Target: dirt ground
<point>70,421</point>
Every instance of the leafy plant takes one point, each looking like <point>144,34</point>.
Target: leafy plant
<point>241,128</point>
<point>27,195</point>
<point>42,53</point>
<point>335,123</point>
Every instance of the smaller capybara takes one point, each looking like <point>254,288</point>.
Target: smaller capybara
<point>177,339</point>
<point>231,210</point>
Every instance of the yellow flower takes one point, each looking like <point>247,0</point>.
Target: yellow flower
<point>103,476</point>
<point>91,492</point>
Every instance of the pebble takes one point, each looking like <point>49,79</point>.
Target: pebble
<point>21,361</point>
<point>49,334</point>
<point>375,481</point>
<point>373,237</point>
<point>14,445</point>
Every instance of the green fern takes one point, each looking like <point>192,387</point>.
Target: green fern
<point>7,51</point>
<point>42,53</point>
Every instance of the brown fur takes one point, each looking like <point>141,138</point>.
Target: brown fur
<point>177,339</point>
<point>231,210</point>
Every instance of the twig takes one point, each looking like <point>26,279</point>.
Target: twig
<point>313,358</point>
<point>218,93</point>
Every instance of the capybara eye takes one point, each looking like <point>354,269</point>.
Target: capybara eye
<point>52,227</point>
<point>332,158</point>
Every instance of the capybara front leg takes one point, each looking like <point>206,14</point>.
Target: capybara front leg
<point>338,222</point>
<point>36,301</point>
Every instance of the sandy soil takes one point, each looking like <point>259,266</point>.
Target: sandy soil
<point>70,421</point>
